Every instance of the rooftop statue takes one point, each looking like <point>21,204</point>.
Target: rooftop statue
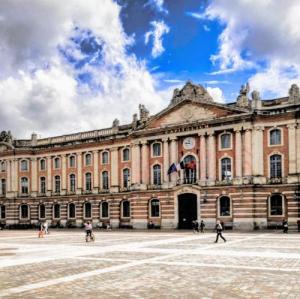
<point>294,94</point>
<point>6,137</point>
<point>242,99</point>
<point>144,112</point>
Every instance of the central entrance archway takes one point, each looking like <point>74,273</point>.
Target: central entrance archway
<point>187,210</point>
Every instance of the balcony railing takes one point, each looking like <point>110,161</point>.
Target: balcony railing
<point>276,181</point>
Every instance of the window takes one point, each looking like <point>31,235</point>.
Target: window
<point>3,166</point>
<point>3,186</point>
<point>24,165</point>
<point>190,170</point>
<point>2,212</point>
<point>87,210</point>
<point>56,163</point>
<point>42,164</point>
<point>156,148</point>
<point>126,178</point>
<point>226,169</point>
<point>72,161</point>
<point>57,184</point>
<point>224,206</point>
<point>125,209</point>
<point>88,159</point>
<point>105,158</point>
<point>104,209</point>
<point>154,208</point>
<point>72,183</point>
<point>24,211</point>
<point>276,205</point>
<point>72,211</point>
<point>42,211</point>
<point>24,185</point>
<point>126,154</point>
<point>225,140</point>
<point>275,137</point>
<point>157,174</point>
<point>275,166</point>
<point>56,211</point>
<point>43,185</point>
<point>88,181</point>
<point>105,185</point>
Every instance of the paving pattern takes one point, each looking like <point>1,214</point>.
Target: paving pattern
<point>150,264</point>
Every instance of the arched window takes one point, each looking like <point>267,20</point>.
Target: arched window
<point>3,166</point>
<point>42,185</point>
<point>275,166</point>
<point>3,186</point>
<point>2,212</point>
<point>105,184</point>
<point>42,164</point>
<point>24,165</point>
<point>72,182</point>
<point>42,211</point>
<point>72,211</point>
<point>24,211</point>
<point>87,210</point>
<point>154,206</point>
<point>157,174</point>
<point>276,205</point>
<point>56,211</point>
<point>57,184</point>
<point>224,206</point>
<point>56,163</point>
<point>126,154</point>
<point>72,161</point>
<point>190,170</point>
<point>88,181</point>
<point>88,159</point>
<point>226,173</point>
<point>275,137</point>
<point>126,178</point>
<point>24,185</point>
<point>225,141</point>
<point>125,209</point>
<point>104,209</point>
<point>105,158</point>
<point>156,149</point>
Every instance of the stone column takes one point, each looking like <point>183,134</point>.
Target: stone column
<point>298,148</point>
<point>96,171</point>
<point>203,164</point>
<point>49,176</point>
<point>258,156</point>
<point>248,153</point>
<point>114,186</point>
<point>34,179</point>
<point>166,161</point>
<point>174,157</point>
<point>14,176</point>
<point>9,173</point>
<point>79,173</point>
<point>63,174</point>
<point>145,164</point>
<point>292,177</point>
<point>238,157</point>
<point>211,152</point>
<point>136,169</point>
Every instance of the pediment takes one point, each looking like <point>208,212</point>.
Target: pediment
<point>189,111</point>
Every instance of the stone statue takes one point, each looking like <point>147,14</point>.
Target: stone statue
<point>144,113</point>
<point>242,99</point>
<point>245,89</point>
<point>256,100</point>
<point>6,137</point>
<point>294,94</point>
<point>116,123</point>
<point>134,121</point>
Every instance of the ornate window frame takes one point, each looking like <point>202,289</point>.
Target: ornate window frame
<point>40,164</point>
<point>283,206</point>
<point>122,209</point>
<point>219,206</point>
<point>108,209</point>
<point>220,166</point>
<point>20,211</point>
<point>68,211</point>
<point>27,165</point>
<point>127,148</point>
<point>53,211</point>
<point>220,141</point>
<point>69,161</point>
<point>150,208</point>
<point>281,136</point>
<point>108,157</point>
<point>282,163</point>
<point>39,211</point>
<point>152,149</point>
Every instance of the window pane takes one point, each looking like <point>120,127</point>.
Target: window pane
<point>57,184</point>
<point>72,210</point>
<point>88,182</point>
<point>190,169</point>
<point>3,186</point>
<point>72,161</point>
<point>156,175</point>
<point>276,207</point>
<point>24,211</point>
<point>72,183</point>
<point>24,165</point>
<point>275,137</point>
<point>88,210</point>
<point>2,215</point>
<point>225,141</point>
<point>156,149</point>
<point>42,211</point>
<point>155,208</point>
<point>105,158</point>
<point>126,208</point>
<point>24,185</point>
<point>104,209</point>
<point>88,159</point>
<point>126,178</point>
<point>105,180</point>
<point>43,164</point>
<point>3,166</point>
<point>43,185</point>
<point>126,154</point>
<point>56,211</point>
<point>226,168</point>
<point>224,206</point>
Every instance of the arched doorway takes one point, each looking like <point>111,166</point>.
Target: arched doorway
<point>187,210</point>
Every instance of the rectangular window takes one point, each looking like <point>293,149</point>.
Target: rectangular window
<point>2,212</point>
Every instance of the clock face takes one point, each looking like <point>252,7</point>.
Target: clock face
<point>189,143</point>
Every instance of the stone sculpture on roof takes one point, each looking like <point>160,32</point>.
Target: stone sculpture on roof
<point>294,94</point>
<point>242,99</point>
<point>6,137</point>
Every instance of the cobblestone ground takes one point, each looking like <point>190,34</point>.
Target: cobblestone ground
<point>122,264</point>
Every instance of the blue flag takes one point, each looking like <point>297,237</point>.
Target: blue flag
<point>172,168</point>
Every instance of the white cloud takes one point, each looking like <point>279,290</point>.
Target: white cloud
<point>38,89</point>
<point>216,93</point>
<point>159,5</point>
<point>159,29</point>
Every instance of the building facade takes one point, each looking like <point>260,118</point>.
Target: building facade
<point>196,159</point>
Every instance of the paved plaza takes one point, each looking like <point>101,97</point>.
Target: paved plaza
<point>149,264</point>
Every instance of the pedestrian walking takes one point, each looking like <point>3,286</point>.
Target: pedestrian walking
<point>285,226</point>
<point>46,226</point>
<point>219,229</point>
<point>195,227</point>
<point>41,231</point>
<point>202,226</point>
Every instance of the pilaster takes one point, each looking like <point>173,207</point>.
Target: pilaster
<point>49,176</point>
<point>96,172</point>
<point>211,152</point>
<point>292,176</point>
<point>258,156</point>
<point>63,174</point>
<point>79,173</point>
<point>34,183</point>
<point>114,187</point>
<point>203,164</point>
<point>145,164</point>
<point>238,157</point>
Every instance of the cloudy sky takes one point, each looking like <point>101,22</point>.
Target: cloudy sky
<point>76,65</point>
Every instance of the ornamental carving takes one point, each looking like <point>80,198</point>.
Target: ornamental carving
<point>6,137</point>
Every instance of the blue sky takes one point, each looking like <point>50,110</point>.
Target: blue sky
<point>77,65</point>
